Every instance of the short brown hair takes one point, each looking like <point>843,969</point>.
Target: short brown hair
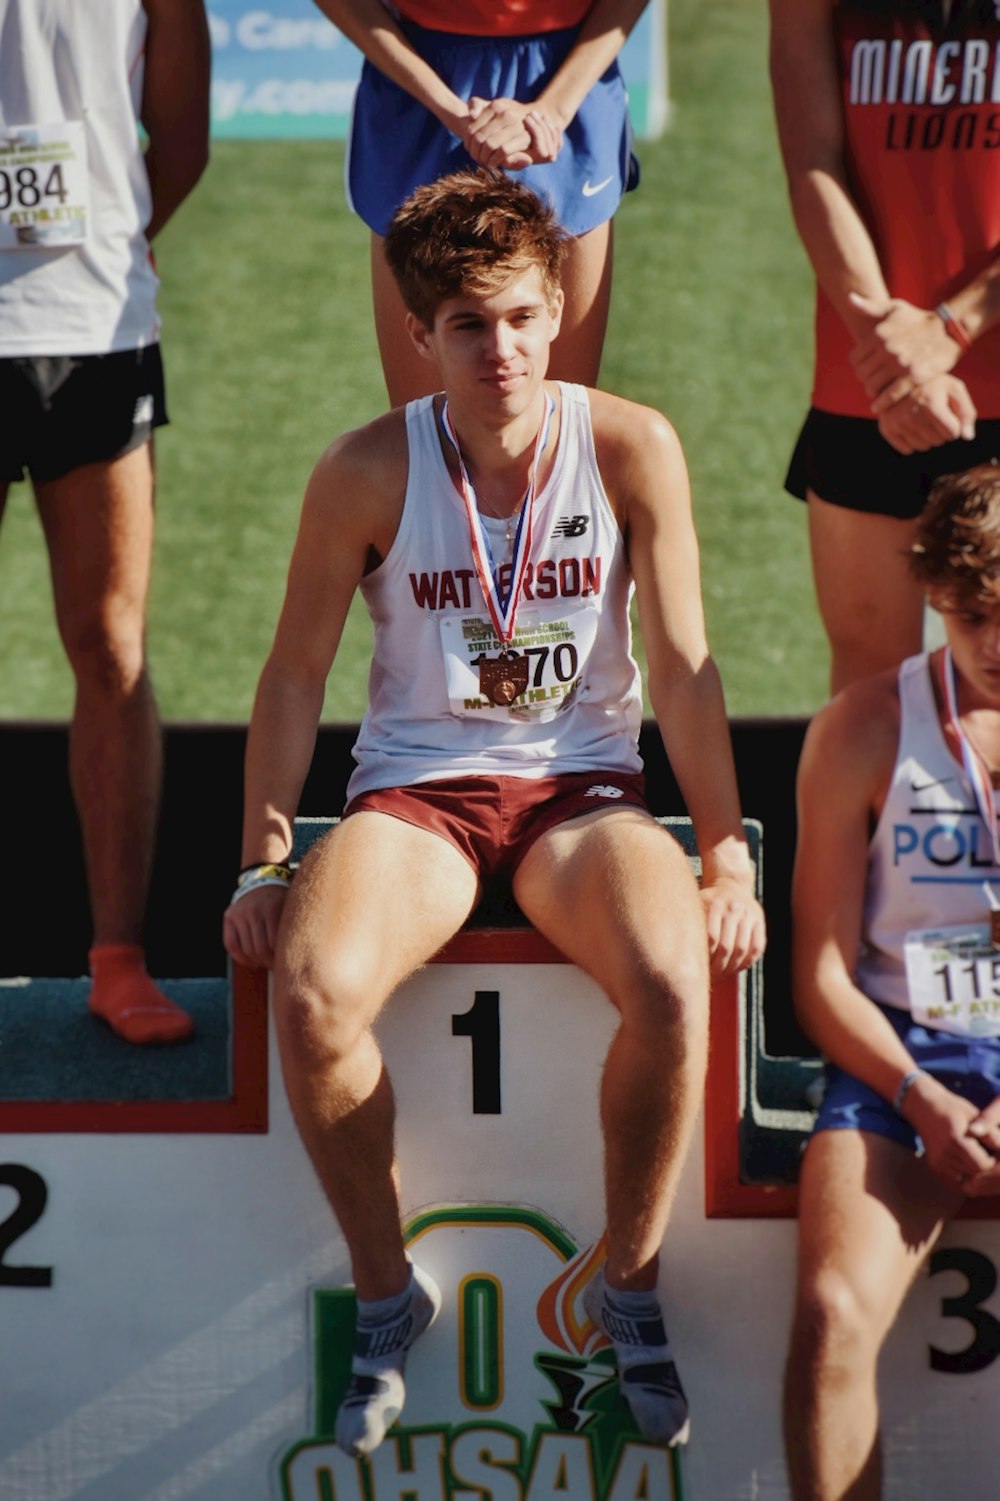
<point>956,551</point>
<point>471,231</point>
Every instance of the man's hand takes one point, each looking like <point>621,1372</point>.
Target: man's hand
<point>250,926</point>
<point>942,1120</point>
<point>508,134</point>
<point>937,412</point>
<point>736,928</point>
<point>985,1129</point>
<point>905,346</point>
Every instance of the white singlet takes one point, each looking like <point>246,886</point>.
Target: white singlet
<point>75,271</point>
<point>583,707</point>
<point>930,857</point>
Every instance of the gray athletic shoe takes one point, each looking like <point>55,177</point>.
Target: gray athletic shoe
<point>647,1374</point>
<point>376,1393</point>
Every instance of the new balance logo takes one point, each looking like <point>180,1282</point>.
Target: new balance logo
<point>602,789</point>
<point>571,526</point>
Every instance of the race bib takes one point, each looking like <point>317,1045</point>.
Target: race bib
<point>555,651</point>
<point>953,977</point>
<point>44,186</point>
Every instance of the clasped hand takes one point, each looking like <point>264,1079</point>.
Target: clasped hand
<point>508,134</point>
<point>961,1142</point>
<point>904,361</point>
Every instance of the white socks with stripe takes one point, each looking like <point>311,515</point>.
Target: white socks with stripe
<point>647,1375</point>
<point>384,1332</point>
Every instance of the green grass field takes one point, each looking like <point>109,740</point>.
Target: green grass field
<point>270,352</point>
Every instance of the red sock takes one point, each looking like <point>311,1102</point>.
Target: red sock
<point>124,995</point>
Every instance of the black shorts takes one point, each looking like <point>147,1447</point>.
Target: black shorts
<point>847,462</point>
<point>63,411</point>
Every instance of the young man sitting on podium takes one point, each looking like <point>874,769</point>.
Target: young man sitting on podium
<point>496,531</point>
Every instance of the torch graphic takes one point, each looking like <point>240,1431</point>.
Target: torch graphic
<point>583,1365</point>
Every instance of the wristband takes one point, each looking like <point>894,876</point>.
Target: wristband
<point>954,327</point>
<point>275,870</point>
<point>252,884</point>
<point>905,1085</point>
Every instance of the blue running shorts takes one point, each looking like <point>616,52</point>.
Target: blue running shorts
<point>969,1066</point>
<point>397,145</point>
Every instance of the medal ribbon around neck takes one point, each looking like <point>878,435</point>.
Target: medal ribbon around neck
<point>975,767</point>
<point>502,606</point>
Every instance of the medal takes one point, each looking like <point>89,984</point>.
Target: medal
<point>504,678</point>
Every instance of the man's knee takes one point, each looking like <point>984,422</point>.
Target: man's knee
<point>106,646</point>
<point>835,1335</point>
<point>667,999</point>
<point>324,1006</point>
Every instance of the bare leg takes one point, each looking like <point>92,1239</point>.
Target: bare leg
<point>586,283</point>
<point>372,903</point>
<point>98,522</point>
<point>869,1213</point>
<point>407,373</point>
<point>576,354</point>
<point>871,606</point>
<point>614,892</point>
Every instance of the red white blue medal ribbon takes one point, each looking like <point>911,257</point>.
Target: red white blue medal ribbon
<point>501,604</point>
<point>975,767</point>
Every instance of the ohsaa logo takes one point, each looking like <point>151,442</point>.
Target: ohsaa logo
<point>512,1393</point>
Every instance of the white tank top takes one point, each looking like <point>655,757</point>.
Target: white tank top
<point>75,63</point>
<point>426,717</point>
<point>930,858</point>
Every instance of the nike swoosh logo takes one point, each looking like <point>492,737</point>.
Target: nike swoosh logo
<point>935,782</point>
<point>588,190</point>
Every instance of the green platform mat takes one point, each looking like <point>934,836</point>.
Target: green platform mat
<point>51,1048</point>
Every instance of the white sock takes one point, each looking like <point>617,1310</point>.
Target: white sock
<point>647,1374</point>
<point>385,1330</point>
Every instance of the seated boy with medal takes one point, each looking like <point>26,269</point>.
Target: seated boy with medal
<point>496,532</point>
<point>897,979</point>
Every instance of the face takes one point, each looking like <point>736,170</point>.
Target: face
<point>493,351</point>
<point>973,632</point>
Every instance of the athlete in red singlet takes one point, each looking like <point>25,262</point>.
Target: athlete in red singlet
<point>889,120</point>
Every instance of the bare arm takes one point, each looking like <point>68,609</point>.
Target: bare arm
<point>373,31</point>
<point>175,102</point>
<point>809,114</point>
<point>602,36</point>
<point>641,460</point>
<point>846,764</point>
<point>346,512</point>
<point>907,346</point>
